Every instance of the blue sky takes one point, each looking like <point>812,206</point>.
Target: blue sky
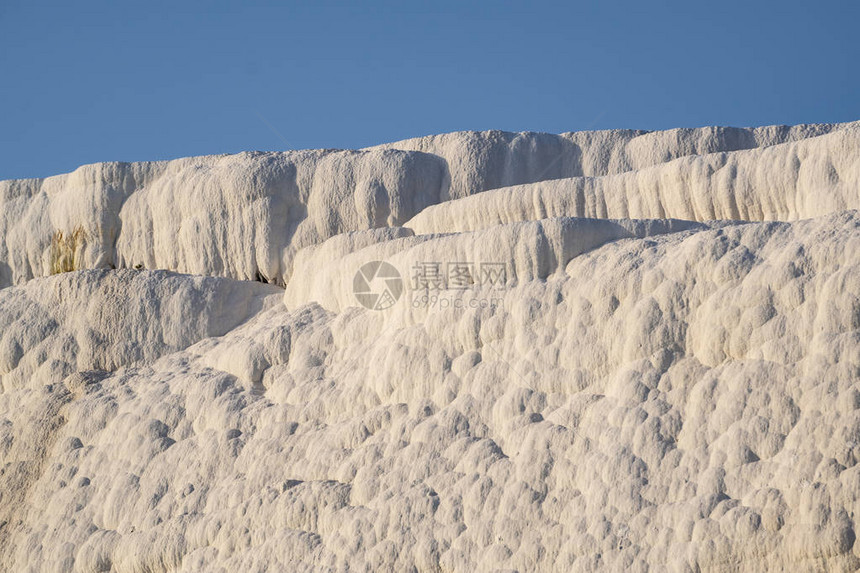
<point>122,81</point>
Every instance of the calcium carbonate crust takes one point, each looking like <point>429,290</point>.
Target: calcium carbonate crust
<point>245,216</point>
<point>667,378</point>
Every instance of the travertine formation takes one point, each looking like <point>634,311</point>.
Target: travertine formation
<point>651,363</point>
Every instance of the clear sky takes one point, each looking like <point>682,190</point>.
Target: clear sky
<point>82,82</point>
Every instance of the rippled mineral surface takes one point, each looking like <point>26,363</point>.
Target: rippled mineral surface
<point>477,351</point>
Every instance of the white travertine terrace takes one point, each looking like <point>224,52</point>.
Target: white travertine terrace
<point>668,378</point>
<point>244,216</point>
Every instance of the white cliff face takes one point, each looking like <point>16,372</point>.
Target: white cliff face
<point>527,251</point>
<point>665,377</point>
<point>244,216</point>
<point>240,216</point>
<point>478,161</point>
<point>789,181</point>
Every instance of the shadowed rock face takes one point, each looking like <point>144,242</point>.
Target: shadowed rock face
<point>666,376</point>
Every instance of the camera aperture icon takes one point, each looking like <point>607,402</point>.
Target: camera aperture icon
<point>377,285</point>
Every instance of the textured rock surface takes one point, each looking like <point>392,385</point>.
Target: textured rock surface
<point>790,181</point>
<point>638,393</point>
<point>244,216</point>
<point>478,161</point>
<point>240,216</point>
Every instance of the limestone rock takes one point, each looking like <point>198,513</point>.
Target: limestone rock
<point>660,369</point>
